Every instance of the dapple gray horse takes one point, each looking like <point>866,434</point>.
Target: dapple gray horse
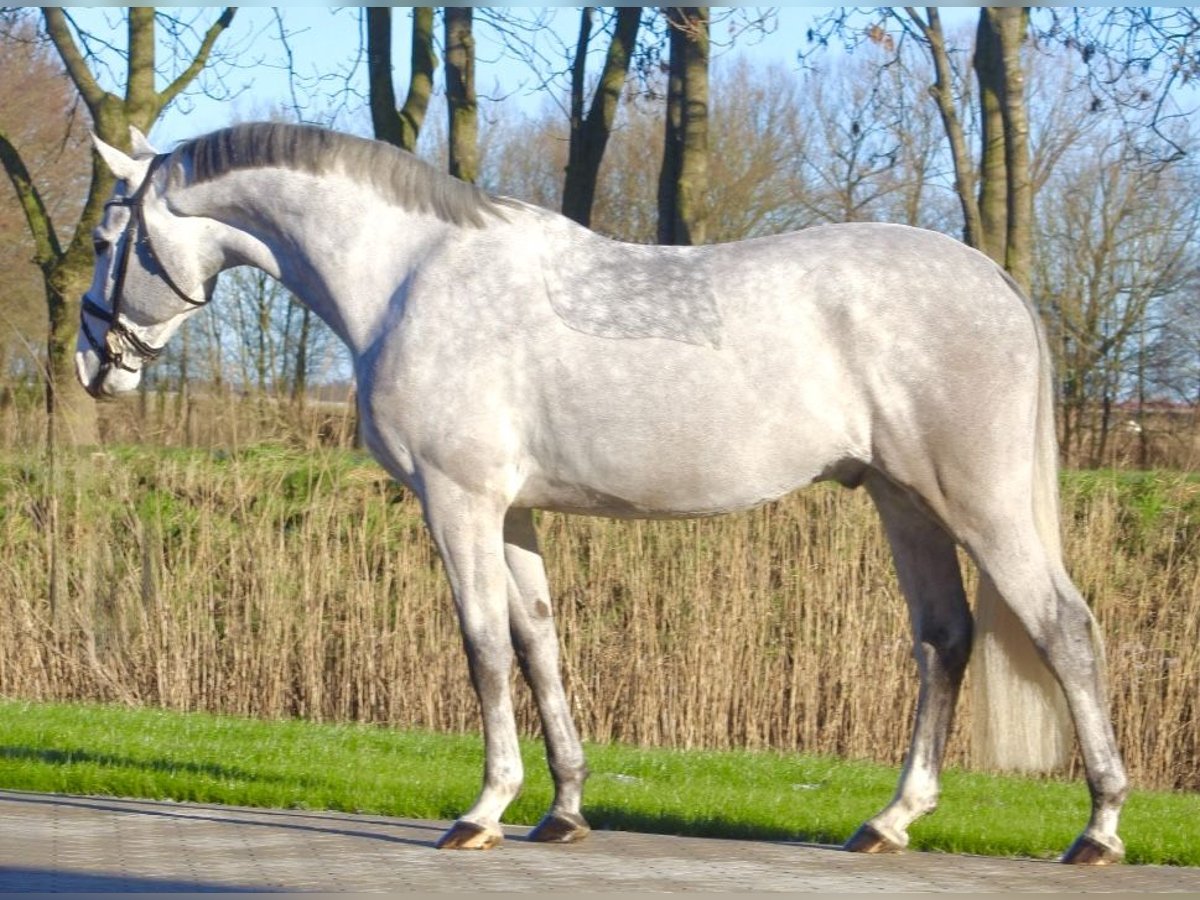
<point>509,360</point>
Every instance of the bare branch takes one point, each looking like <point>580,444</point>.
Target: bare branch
<point>742,23</point>
<point>41,228</point>
<point>59,30</point>
<point>1135,59</point>
<point>422,63</point>
<point>579,66</point>
<point>200,60</point>
<point>291,63</point>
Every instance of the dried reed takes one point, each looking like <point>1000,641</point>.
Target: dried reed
<point>301,583</point>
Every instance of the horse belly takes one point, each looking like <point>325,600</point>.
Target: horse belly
<point>629,498</point>
<point>693,445</point>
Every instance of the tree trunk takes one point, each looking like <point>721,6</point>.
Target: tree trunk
<point>683,178</point>
<point>460,93</point>
<point>400,127</point>
<point>993,182</point>
<point>300,378</point>
<point>1010,24</point>
<point>943,94</point>
<point>589,136</point>
<point>66,268</point>
<point>71,413</point>
<point>1100,443</point>
<point>668,175</point>
<point>266,371</point>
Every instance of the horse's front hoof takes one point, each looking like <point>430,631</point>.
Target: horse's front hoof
<point>560,828</point>
<point>1088,851</point>
<point>470,836</point>
<point>869,839</point>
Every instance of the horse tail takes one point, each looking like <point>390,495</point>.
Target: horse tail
<point>1020,716</point>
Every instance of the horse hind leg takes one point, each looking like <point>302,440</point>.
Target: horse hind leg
<point>1077,651</point>
<point>536,644</point>
<point>1045,604</point>
<point>927,567</point>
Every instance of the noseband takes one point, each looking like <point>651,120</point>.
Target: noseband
<point>120,337</point>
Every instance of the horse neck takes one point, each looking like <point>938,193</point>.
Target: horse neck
<point>338,247</point>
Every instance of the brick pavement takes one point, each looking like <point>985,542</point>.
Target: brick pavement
<point>53,843</point>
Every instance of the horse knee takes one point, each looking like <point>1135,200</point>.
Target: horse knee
<point>1110,788</point>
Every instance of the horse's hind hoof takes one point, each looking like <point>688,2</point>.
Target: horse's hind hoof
<point>560,828</point>
<point>1088,851</point>
<point>470,836</point>
<point>869,839</point>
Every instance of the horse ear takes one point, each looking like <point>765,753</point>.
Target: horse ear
<point>126,168</point>
<point>142,148</point>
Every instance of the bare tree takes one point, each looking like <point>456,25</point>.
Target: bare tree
<point>463,136</point>
<point>1135,58</point>
<point>626,204</point>
<point>756,186</point>
<point>1010,25</point>
<point>66,265</point>
<point>851,147</point>
<point>759,139</point>
<point>40,115</point>
<point>399,126</point>
<point>263,342</point>
<point>1116,243</point>
<point>683,178</point>
<point>989,229</point>
<point>1004,169</point>
<point>590,132</point>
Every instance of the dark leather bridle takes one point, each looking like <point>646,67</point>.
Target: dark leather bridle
<point>120,338</point>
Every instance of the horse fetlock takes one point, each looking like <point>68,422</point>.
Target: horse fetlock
<point>569,775</point>
<point>1111,790</point>
<point>467,835</point>
<point>924,806</point>
<point>502,784</point>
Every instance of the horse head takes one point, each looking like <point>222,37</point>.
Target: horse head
<point>151,273</point>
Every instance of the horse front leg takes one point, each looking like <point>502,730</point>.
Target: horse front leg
<point>468,532</point>
<point>929,575</point>
<point>536,643</point>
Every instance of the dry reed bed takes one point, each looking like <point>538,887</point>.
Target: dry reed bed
<point>271,584</point>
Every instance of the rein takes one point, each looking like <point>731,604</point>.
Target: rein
<point>110,350</point>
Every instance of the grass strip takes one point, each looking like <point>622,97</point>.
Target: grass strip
<point>156,754</point>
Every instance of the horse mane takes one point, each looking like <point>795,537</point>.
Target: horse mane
<point>399,177</point>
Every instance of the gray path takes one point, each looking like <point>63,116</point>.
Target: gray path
<point>85,844</point>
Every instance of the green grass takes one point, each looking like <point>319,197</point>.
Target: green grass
<point>146,753</point>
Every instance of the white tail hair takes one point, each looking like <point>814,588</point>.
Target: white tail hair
<point>1020,716</point>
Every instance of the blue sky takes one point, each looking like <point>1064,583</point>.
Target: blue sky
<point>325,41</point>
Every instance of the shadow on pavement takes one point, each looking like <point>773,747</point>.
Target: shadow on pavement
<point>296,820</point>
<point>15,878</point>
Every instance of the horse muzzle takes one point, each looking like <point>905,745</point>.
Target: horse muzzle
<point>100,378</point>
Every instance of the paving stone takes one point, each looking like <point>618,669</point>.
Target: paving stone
<point>57,843</point>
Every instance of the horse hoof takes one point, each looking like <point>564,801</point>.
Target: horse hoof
<point>470,836</point>
<point>560,828</point>
<point>1088,851</point>
<point>869,839</point>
